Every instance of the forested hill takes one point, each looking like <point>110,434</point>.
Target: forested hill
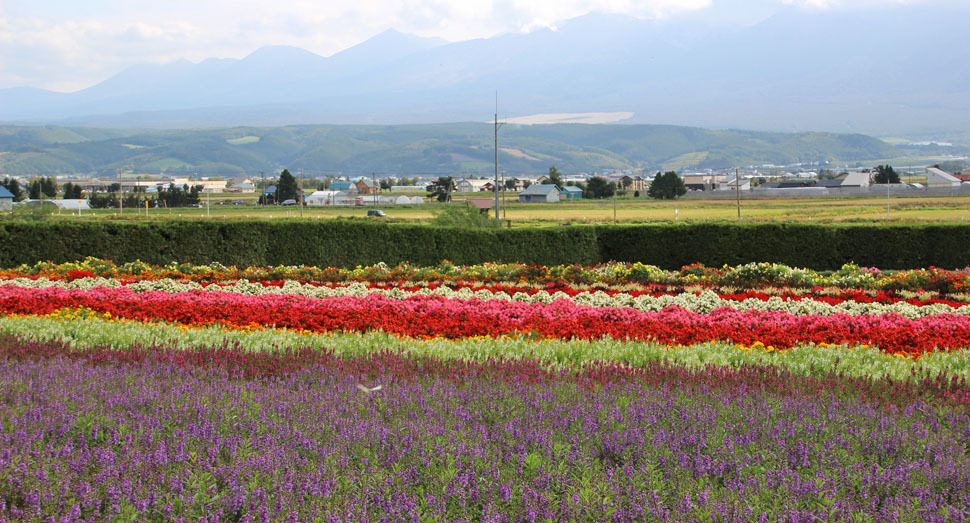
<point>431,149</point>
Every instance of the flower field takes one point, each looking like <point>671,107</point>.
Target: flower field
<point>500,392</point>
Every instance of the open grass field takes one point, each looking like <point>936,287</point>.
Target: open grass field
<point>943,209</point>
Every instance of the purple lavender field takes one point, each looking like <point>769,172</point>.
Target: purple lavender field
<point>156,439</point>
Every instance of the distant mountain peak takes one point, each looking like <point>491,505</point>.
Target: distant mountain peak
<point>392,34</point>
<point>275,52</point>
<point>387,45</point>
<point>835,73</point>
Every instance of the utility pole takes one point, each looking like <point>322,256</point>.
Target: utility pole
<point>737,188</point>
<point>496,154</point>
<point>376,187</point>
<point>299,193</point>
<point>262,185</point>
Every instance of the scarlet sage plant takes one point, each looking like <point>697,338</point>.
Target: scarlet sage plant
<point>434,316</point>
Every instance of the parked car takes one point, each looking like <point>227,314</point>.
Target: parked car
<point>376,212</point>
<point>288,202</point>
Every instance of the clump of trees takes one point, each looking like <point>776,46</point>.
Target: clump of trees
<point>286,187</point>
<point>554,178</point>
<point>598,187</point>
<point>172,196</point>
<point>442,188</point>
<point>179,196</point>
<point>111,201</point>
<point>667,186</point>
<point>885,174</point>
<point>46,185</point>
<point>72,191</point>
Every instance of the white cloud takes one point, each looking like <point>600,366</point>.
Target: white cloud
<point>68,45</point>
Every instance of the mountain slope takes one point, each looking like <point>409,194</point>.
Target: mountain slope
<point>896,70</point>
<point>439,149</point>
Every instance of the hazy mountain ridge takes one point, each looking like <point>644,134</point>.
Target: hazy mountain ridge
<point>440,149</point>
<point>899,70</point>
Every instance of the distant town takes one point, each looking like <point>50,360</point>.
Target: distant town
<point>78,192</point>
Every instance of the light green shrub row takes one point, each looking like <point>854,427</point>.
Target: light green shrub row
<point>807,360</point>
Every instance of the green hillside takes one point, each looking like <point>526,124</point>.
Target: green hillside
<point>454,149</point>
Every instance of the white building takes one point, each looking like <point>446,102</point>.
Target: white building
<point>209,186</point>
<point>464,186</point>
<point>321,198</point>
<point>731,184</point>
<point>939,178</point>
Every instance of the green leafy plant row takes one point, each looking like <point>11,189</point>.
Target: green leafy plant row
<point>86,329</point>
<point>348,243</point>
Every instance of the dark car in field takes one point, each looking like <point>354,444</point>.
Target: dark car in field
<point>376,212</point>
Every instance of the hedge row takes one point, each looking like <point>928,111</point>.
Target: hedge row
<point>347,243</point>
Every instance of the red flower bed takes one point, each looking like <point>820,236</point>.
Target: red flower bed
<point>434,316</point>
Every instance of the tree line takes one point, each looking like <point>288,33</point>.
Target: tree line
<point>166,197</point>
<point>665,186</point>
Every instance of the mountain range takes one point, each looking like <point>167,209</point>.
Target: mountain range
<point>452,149</point>
<point>898,71</point>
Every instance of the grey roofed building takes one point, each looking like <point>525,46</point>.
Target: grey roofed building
<point>856,179</point>
<point>6,199</point>
<point>732,184</point>
<point>571,192</point>
<point>834,183</point>
<point>788,184</point>
<point>540,193</point>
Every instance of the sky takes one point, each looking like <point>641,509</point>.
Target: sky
<point>67,45</point>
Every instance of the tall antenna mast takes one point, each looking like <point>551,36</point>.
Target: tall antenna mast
<point>495,188</point>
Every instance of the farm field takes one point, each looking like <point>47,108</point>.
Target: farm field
<point>495,392</point>
<point>952,209</point>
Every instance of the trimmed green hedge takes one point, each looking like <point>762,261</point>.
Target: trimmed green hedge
<point>347,243</point>
<point>820,247</point>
